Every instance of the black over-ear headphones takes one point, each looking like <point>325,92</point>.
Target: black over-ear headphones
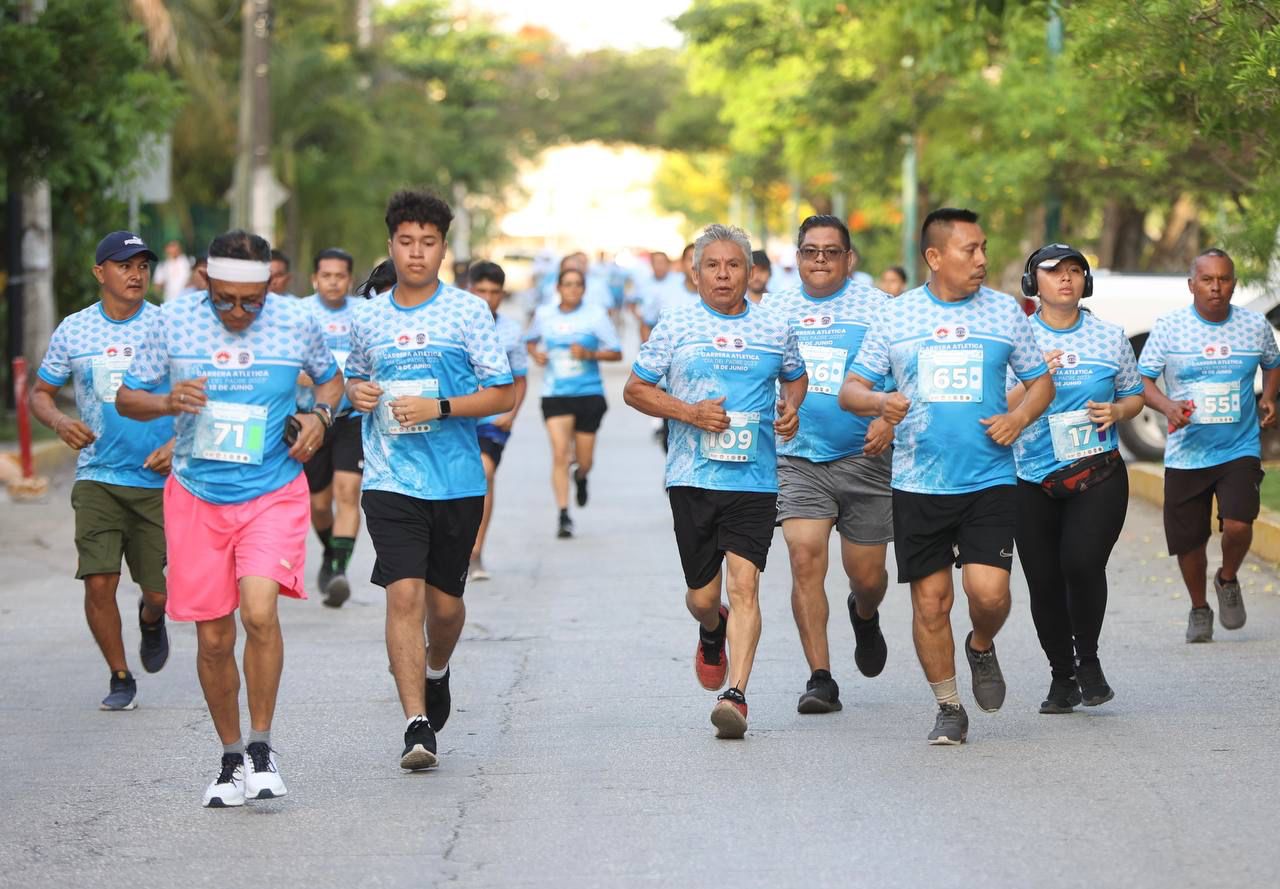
<point>1031,286</point>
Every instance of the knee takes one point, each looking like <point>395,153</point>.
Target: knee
<point>807,564</point>
<point>870,580</point>
<point>933,609</point>
<point>1236,528</point>
<point>215,645</point>
<point>101,588</point>
<point>260,623</point>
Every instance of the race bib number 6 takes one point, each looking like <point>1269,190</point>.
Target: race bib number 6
<point>737,444</point>
<point>231,432</point>
<point>825,366</point>
<point>1216,403</point>
<point>950,375</point>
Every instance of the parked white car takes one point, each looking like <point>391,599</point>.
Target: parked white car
<point>1135,302</point>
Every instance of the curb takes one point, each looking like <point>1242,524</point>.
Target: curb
<point>1146,480</point>
<point>48,456</point>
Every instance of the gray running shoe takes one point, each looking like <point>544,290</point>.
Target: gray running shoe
<point>951,728</point>
<point>988,681</point>
<point>821,694</point>
<point>1200,625</point>
<point>124,692</point>
<point>1230,602</point>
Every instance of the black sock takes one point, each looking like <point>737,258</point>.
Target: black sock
<point>325,535</point>
<point>714,635</point>
<point>564,514</point>
<point>341,549</point>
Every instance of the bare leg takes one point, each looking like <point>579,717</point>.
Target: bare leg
<point>219,675</point>
<point>263,648</point>
<point>103,615</point>
<point>807,547</point>
<point>560,431</point>
<point>406,642</point>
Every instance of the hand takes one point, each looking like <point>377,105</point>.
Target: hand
<point>1267,413</point>
<point>364,395</point>
<point>1178,413</point>
<point>539,357</point>
<point>309,439</point>
<point>410,410</point>
<point>75,433</point>
<point>709,416</point>
<point>160,461</point>
<point>1004,429</point>
<point>879,437</point>
<point>582,353</point>
<point>788,421</point>
<point>894,407</point>
<point>1103,414</point>
<point>187,397</point>
<point>1053,358</point>
<point>504,421</point>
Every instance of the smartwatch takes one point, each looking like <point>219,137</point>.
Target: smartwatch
<point>445,408</point>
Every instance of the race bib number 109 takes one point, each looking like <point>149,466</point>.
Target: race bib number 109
<point>737,444</point>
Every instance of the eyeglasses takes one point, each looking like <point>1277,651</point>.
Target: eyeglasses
<point>246,306</point>
<point>830,254</point>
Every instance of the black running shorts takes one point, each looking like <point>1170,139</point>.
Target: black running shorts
<point>935,531</point>
<point>1188,500</point>
<point>587,410</point>
<point>709,524</point>
<point>427,540</point>
<point>342,451</point>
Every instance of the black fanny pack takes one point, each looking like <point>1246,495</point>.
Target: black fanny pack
<point>1082,474</point>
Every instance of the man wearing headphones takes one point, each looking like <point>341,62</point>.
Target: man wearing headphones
<point>1073,492</point>
<point>1209,354</point>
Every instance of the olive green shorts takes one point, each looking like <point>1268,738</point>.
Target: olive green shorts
<point>114,521</point>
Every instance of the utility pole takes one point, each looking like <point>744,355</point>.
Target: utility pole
<point>255,194</point>
<point>910,202</point>
<point>1053,201</point>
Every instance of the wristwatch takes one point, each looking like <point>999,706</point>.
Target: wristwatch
<point>445,408</point>
<point>324,412</point>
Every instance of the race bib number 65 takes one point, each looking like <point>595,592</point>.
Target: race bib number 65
<point>950,375</point>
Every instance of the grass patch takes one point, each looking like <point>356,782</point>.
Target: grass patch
<point>9,429</point>
<point>1271,487</point>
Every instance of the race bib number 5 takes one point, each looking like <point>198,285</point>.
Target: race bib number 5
<point>231,432</point>
<point>393,389</point>
<point>1216,403</point>
<point>108,374</point>
<point>1074,436</point>
<point>950,375</point>
<point>737,444</point>
<point>825,366</point>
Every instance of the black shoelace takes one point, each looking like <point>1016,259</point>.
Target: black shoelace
<point>260,753</point>
<point>230,762</point>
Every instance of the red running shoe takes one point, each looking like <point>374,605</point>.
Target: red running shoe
<point>729,715</point>
<point>710,663</point>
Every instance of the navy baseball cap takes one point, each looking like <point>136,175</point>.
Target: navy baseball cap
<point>120,246</point>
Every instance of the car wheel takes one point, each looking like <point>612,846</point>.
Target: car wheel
<point>1145,435</point>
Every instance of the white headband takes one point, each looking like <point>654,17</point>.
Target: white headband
<point>238,271</point>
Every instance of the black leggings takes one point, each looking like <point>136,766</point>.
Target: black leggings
<point>1064,546</point>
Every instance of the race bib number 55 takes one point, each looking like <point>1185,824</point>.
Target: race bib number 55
<point>950,375</point>
<point>1216,403</point>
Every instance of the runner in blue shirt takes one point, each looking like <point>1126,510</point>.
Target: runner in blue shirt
<point>835,472</point>
<point>118,493</point>
<point>488,282</point>
<point>568,341</point>
<point>949,345</point>
<point>1073,491</point>
<point>425,365</point>
<point>236,506</point>
<point>723,359</point>
<point>333,472</point>
<point>1209,354</point>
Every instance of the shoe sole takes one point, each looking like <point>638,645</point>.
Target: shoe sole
<point>1056,709</point>
<point>1093,702</point>
<point>217,803</point>
<point>419,759</point>
<point>1200,640</point>
<point>812,705</point>
<point>475,576</point>
<point>266,793</point>
<point>1227,626</point>
<point>338,591</point>
<point>564,535</point>
<point>132,705</point>
<point>944,741</point>
<point>730,724</point>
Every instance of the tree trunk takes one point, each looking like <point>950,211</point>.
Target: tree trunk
<point>1123,238</point>
<point>39,312</point>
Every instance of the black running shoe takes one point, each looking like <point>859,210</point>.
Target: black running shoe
<point>821,694</point>
<point>1094,689</point>
<point>565,530</point>
<point>419,747</point>
<point>154,650</point>
<point>1063,696</point>
<point>439,701</point>
<point>581,482</point>
<point>338,589</point>
<point>326,572</point>
<point>123,692</point>
<point>870,650</point>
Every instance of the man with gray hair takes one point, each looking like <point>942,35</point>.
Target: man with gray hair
<point>1209,353</point>
<point>723,357</point>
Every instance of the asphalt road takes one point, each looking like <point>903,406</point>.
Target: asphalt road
<point>580,752</point>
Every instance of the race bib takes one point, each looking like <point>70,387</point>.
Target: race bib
<point>737,444</point>
<point>1075,436</point>
<point>108,374</point>
<point>1216,403</point>
<point>231,432</point>
<point>564,365</point>
<point>950,375</point>
<point>825,366</point>
<point>393,389</point>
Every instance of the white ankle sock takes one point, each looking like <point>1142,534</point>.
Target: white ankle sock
<point>945,691</point>
<point>437,674</point>
<point>413,719</point>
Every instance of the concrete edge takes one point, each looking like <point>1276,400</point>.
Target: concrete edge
<point>1146,480</point>
<point>48,456</point>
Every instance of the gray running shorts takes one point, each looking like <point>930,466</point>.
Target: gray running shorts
<point>854,491</point>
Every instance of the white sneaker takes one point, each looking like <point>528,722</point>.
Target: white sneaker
<point>228,788</point>
<point>261,778</point>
